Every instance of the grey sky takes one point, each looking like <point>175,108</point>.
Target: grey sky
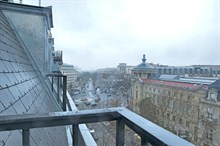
<point>102,33</point>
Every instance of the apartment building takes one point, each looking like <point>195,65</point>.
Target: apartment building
<point>176,103</point>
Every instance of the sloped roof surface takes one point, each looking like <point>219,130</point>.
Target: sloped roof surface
<point>216,84</point>
<point>165,76</point>
<point>22,91</point>
<point>172,83</point>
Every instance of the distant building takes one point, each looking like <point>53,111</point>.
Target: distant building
<point>209,116</point>
<point>215,69</point>
<point>72,74</point>
<point>181,71</point>
<point>122,68</point>
<point>125,69</point>
<point>185,70</point>
<point>143,70</point>
<point>175,102</point>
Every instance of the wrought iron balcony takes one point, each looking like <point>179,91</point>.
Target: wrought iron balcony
<point>58,56</point>
<point>148,131</point>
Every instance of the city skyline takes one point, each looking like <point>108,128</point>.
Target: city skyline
<point>98,34</point>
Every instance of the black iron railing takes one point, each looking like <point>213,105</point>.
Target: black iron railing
<point>148,131</point>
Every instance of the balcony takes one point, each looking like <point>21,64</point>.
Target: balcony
<point>148,131</point>
<point>58,57</point>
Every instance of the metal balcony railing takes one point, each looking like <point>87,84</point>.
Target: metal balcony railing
<point>148,131</point>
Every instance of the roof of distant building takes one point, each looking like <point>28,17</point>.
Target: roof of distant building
<point>165,76</point>
<point>144,65</point>
<point>172,83</point>
<point>216,84</point>
<point>198,80</point>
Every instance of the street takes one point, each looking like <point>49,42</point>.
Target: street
<point>97,98</point>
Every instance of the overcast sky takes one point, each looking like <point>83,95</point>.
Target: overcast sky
<point>102,33</point>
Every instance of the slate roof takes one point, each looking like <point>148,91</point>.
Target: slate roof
<point>172,83</point>
<point>169,77</point>
<point>216,84</point>
<point>22,90</point>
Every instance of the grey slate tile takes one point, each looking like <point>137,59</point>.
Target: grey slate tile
<point>19,107</point>
<point>15,92</point>
<point>15,139</point>
<point>4,81</point>
<point>4,137</point>
<point>6,97</point>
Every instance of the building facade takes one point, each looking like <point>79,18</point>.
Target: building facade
<point>202,71</point>
<point>72,74</point>
<point>182,71</point>
<point>176,104</point>
<point>209,116</point>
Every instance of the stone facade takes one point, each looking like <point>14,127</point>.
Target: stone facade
<point>209,116</point>
<point>173,105</point>
<point>71,74</point>
<point>190,110</point>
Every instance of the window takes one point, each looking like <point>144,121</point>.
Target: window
<point>136,94</point>
<point>213,96</point>
<point>174,104</point>
<point>209,134</point>
<point>187,124</point>
<point>188,97</point>
<point>189,109</point>
<point>168,115</point>
<point>210,112</point>
<point>158,112</point>
<point>169,93</point>
<point>180,120</point>
<point>174,118</point>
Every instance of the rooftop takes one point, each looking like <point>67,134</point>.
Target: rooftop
<point>172,83</point>
<point>144,66</point>
<point>216,84</point>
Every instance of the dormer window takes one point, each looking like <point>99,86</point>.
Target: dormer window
<point>213,96</point>
<point>210,112</point>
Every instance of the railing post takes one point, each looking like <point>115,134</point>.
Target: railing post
<point>143,142</point>
<point>52,83</point>
<point>64,92</point>
<point>26,137</point>
<point>58,89</point>
<point>75,135</point>
<point>120,133</point>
